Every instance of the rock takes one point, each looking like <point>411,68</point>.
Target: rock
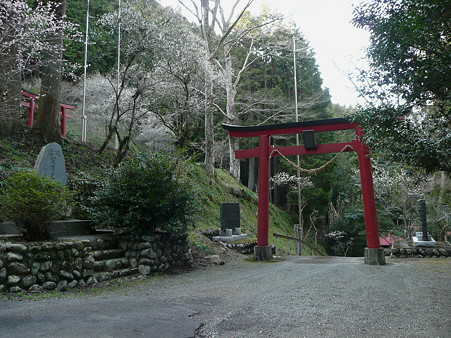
<point>144,269</point>
<point>50,276</point>
<point>89,262</point>
<point>47,246</point>
<point>87,273</point>
<point>214,259</point>
<point>2,274</point>
<point>145,245</point>
<point>149,238</point>
<point>187,255</point>
<point>78,263</point>
<point>76,274</point>
<point>2,287</point>
<point>35,288</point>
<point>28,281</point>
<point>148,253</point>
<point>49,285</point>
<point>40,277</point>
<point>91,281</point>
<point>78,245</point>
<point>12,280</point>
<point>18,268</point>
<point>14,257</point>
<point>72,284</point>
<point>42,256</point>
<point>35,268</point>
<point>1,264</point>
<point>436,252</point>
<point>145,261</point>
<point>443,252</point>
<point>46,266</point>
<point>16,247</point>
<point>163,259</point>
<point>134,262</point>
<point>62,286</point>
<point>15,289</point>
<point>111,264</point>
<point>66,275</point>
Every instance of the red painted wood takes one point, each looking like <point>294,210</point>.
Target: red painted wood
<point>265,151</point>
<point>292,130</point>
<point>32,107</point>
<point>263,192</point>
<point>369,203</point>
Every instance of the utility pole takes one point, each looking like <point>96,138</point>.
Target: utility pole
<point>84,119</point>
<point>119,16</point>
<point>298,229</point>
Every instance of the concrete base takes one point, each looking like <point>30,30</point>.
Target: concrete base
<point>374,256</point>
<point>231,238</point>
<point>263,253</point>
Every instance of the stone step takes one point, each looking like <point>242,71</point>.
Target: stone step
<point>108,254</point>
<point>108,275</point>
<point>111,264</point>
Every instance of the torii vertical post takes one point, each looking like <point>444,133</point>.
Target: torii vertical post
<point>373,251</point>
<point>374,254</point>
<point>263,251</point>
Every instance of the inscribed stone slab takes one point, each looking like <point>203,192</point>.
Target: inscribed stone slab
<point>50,163</point>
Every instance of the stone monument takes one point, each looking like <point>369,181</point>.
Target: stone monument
<point>50,163</point>
<point>230,223</point>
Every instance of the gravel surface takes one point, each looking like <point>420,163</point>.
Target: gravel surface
<point>294,297</point>
<point>317,297</point>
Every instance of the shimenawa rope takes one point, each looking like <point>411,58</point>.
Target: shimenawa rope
<point>315,170</point>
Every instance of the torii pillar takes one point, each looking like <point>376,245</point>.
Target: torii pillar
<point>374,254</point>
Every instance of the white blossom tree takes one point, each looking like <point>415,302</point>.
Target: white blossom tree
<point>25,34</point>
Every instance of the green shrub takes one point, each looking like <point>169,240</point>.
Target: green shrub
<point>143,196</point>
<point>33,201</point>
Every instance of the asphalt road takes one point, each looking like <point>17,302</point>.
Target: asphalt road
<point>296,297</point>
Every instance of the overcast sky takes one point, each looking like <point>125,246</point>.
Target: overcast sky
<point>339,46</point>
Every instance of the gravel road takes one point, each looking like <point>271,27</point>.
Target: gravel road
<point>295,297</point>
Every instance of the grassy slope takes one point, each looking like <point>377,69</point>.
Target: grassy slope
<point>226,189</point>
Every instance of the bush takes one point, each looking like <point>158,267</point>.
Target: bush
<point>143,196</point>
<point>33,201</point>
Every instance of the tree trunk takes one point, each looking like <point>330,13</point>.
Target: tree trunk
<point>10,85</point>
<point>209,127</point>
<point>232,117</point>
<point>47,117</point>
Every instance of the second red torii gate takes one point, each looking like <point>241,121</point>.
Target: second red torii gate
<point>373,253</point>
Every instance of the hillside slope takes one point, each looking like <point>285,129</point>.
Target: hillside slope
<point>84,163</point>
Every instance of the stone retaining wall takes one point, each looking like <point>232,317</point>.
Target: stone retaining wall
<point>420,252</point>
<point>156,252</point>
<point>63,265</point>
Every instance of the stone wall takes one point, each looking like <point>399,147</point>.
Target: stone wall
<point>420,252</point>
<point>62,265</point>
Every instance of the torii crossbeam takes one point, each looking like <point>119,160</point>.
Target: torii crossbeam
<point>373,253</point>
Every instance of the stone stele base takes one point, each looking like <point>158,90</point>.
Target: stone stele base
<point>374,256</point>
<point>263,253</point>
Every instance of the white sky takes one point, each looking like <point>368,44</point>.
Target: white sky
<point>338,45</point>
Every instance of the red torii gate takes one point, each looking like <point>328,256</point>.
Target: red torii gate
<point>374,254</point>
<point>31,105</point>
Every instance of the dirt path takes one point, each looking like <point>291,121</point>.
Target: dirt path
<point>296,297</point>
